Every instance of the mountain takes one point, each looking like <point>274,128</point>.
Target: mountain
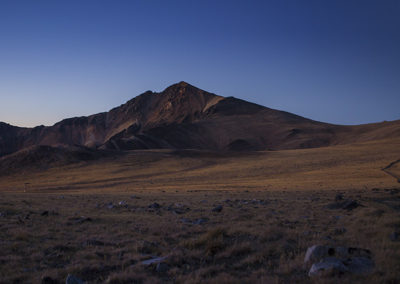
<point>185,117</point>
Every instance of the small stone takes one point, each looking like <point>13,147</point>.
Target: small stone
<point>110,205</point>
<point>395,236</point>
<point>340,231</point>
<point>350,205</point>
<point>71,279</point>
<point>339,197</point>
<point>45,213</point>
<point>155,205</point>
<point>178,212</point>
<point>122,203</point>
<point>200,221</point>
<point>162,267</point>
<point>48,280</point>
<point>153,260</point>
<point>94,242</point>
<point>347,204</point>
<point>217,208</point>
<point>186,221</point>
<point>84,219</point>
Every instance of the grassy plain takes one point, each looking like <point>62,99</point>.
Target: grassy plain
<point>274,205</point>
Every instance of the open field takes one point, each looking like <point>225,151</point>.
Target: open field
<point>98,220</point>
<point>356,166</point>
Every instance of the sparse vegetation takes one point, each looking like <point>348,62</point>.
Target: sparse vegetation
<point>98,220</point>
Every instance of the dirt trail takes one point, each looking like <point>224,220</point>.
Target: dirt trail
<point>386,170</point>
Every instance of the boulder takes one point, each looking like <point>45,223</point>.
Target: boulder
<point>359,265</point>
<point>331,265</point>
<point>71,279</point>
<point>338,260</point>
<point>315,253</point>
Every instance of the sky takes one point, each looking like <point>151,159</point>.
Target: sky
<point>335,61</point>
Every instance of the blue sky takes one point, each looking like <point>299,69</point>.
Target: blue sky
<point>336,61</point>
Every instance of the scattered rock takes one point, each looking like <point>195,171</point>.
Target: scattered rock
<point>94,242</point>
<point>395,236</point>
<point>122,203</point>
<point>350,204</point>
<point>110,205</point>
<point>186,220</point>
<point>339,197</point>
<point>162,267</point>
<point>154,260</point>
<point>48,280</point>
<point>217,208</point>
<point>340,231</point>
<point>80,220</point>
<point>155,205</point>
<point>196,222</point>
<point>45,213</point>
<point>71,279</point>
<point>347,205</point>
<point>200,221</point>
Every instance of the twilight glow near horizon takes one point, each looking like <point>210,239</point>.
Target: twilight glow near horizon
<point>332,61</point>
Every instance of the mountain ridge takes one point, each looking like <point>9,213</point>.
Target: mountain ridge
<point>185,117</point>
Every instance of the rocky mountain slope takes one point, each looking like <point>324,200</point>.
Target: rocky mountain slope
<point>185,117</point>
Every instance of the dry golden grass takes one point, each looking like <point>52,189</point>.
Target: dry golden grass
<point>274,207</point>
<point>353,166</point>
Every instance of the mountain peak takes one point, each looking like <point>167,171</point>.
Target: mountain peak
<point>182,84</point>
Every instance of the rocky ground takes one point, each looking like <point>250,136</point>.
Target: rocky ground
<point>201,236</point>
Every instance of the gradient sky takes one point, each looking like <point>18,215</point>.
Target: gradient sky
<point>335,61</point>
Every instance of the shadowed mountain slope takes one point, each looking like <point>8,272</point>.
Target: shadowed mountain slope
<point>185,117</point>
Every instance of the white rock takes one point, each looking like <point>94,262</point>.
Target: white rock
<point>331,264</point>
<point>315,253</point>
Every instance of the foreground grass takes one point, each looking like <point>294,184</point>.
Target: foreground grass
<point>258,236</point>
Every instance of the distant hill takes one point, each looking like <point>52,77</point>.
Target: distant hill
<point>185,117</point>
